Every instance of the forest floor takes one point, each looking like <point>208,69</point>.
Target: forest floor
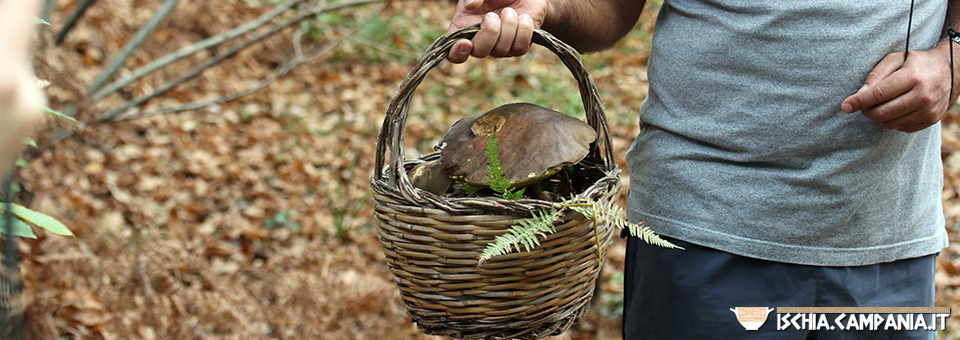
<point>252,219</point>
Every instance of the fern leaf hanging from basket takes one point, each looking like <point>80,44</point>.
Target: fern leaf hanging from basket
<point>528,232</point>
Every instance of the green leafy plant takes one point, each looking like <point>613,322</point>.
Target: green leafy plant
<point>23,214</point>
<point>527,232</point>
<point>281,219</point>
<point>54,113</point>
<point>29,141</point>
<point>39,219</point>
<point>495,178</point>
<point>469,188</point>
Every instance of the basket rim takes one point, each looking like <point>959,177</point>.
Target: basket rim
<point>384,193</point>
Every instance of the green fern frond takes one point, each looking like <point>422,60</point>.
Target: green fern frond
<point>612,214</point>
<point>646,234</point>
<point>495,177</point>
<point>527,232</point>
<point>588,209</point>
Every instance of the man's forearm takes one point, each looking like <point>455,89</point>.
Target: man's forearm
<point>954,15</point>
<point>953,20</point>
<point>592,25</point>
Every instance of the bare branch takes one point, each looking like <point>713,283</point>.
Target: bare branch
<point>112,114</point>
<point>72,20</point>
<point>121,57</point>
<point>296,60</point>
<point>199,69</point>
<point>189,50</point>
<point>297,36</point>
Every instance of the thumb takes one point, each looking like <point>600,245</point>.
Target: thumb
<point>889,64</point>
<point>862,88</point>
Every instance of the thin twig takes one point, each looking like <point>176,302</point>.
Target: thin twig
<point>72,20</point>
<point>383,48</point>
<point>121,57</point>
<point>297,49</point>
<point>189,50</point>
<point>287,67</point>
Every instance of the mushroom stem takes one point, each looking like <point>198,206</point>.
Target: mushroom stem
<point>533,191</point>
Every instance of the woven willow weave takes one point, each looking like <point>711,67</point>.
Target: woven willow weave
<point>432,243</point>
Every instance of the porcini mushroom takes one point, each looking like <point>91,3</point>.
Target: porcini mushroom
<point>534,143</point>
<point>431,177</point>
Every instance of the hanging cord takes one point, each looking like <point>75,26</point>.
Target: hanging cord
<point>11,311</point>
<point>951,34</point>
<point>906,49</point>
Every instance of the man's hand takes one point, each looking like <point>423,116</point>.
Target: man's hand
<point>506,27</point>
<point>21,101</point>
<point>909,96</point>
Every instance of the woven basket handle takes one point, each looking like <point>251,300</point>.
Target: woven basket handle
<point>391,135</point>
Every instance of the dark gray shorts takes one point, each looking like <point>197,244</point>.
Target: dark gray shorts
<point>673,294</point>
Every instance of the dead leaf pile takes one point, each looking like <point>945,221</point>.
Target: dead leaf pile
<point>252,219</point>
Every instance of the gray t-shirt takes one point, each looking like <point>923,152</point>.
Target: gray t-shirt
<point>745,149</point>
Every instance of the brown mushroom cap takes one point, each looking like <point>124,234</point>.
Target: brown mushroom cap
<point>534,143</point>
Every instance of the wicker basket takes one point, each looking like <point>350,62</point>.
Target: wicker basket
<point>432,243</point>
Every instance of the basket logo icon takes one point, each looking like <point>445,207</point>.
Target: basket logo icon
<point>751,318</point>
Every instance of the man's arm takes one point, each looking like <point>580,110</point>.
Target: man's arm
<point>914,94</point>
<point>506,26</point>
<point>593,25</point>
